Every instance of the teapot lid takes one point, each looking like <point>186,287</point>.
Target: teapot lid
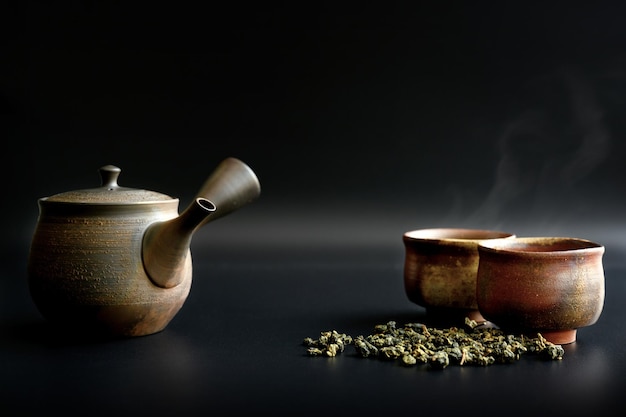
<point>109,192</point>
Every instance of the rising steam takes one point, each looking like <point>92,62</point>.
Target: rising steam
<point>546,152</point>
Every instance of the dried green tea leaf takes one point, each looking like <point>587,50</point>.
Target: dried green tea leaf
<point>415,343</point>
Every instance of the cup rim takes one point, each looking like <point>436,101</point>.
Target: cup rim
<point>540,245</point>
<point>455,234</point>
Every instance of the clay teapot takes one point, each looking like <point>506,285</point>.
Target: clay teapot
<point>117,260</point>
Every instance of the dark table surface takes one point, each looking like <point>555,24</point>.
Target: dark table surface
<point>236,346</point>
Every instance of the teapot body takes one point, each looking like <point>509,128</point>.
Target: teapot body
<point>116,259</point>
<point>85,267</point>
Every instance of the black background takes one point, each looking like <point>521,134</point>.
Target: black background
<point>362,121</point>
<point>379,117</point>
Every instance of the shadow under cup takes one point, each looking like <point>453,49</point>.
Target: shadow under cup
<point>440,269</point>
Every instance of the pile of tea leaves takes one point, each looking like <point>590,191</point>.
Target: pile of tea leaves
<point>415,343</point>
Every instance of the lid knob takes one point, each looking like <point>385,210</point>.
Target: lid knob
<point>109,175</point>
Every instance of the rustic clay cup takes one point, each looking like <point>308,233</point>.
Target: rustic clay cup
<point>547,285</point>
<point>440,269</point>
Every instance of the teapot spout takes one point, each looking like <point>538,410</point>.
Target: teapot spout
<point>165,251</point>
<point>165,247</point>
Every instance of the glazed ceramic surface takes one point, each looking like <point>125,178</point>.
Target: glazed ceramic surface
<point>117,259</point>
<point>440,268</point>
<point>551,285</point>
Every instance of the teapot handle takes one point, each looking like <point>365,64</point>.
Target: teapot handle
<point>232,185</point>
